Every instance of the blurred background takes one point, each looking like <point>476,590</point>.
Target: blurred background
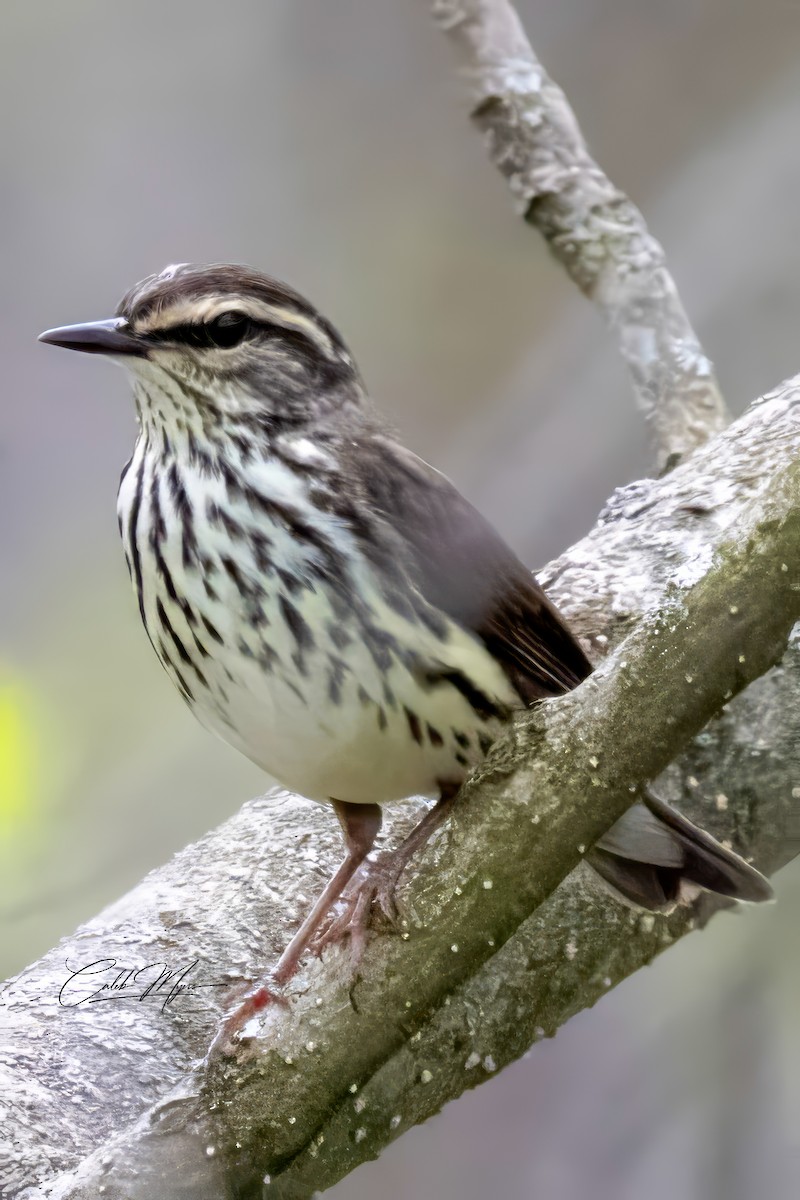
<point>327,143</point>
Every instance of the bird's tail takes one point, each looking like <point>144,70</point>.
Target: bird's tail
<point>653,853</point>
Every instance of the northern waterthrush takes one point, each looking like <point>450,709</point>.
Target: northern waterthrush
<point>322,598</point>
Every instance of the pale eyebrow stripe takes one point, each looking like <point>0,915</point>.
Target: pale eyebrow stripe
<point>294,320</point>
<point>187,312</point>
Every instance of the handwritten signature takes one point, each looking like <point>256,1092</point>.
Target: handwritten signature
<point>154,980</point>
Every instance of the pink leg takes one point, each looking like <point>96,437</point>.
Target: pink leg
<point>377,882</point>
<point>360,825</point>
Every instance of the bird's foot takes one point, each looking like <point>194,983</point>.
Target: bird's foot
<point>372,890</point>
<point>244,1005</point>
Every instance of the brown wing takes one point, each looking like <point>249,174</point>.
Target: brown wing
<point>462,566</point>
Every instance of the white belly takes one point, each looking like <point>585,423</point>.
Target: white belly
<point>327,718</point>
<point>361,748</point>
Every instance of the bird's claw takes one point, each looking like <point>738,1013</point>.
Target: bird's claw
<point>373,889</point>
<point>243,1009</point>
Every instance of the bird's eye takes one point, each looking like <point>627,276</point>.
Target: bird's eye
<point>228,329</point>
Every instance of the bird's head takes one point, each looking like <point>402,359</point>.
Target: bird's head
<point>222,343</point>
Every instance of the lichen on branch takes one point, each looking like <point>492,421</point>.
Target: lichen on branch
<point>594,230</point>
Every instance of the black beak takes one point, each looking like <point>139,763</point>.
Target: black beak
<point>96,337</point>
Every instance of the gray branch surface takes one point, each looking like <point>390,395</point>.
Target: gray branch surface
<point>695,580</point>
<point>592,228</point>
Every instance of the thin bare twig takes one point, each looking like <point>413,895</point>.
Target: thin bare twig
<point>593,229</point>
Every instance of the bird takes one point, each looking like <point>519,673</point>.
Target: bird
<point>325,600</point>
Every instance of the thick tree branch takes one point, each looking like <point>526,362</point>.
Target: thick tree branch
<point>709,554</point>
<point>507,933</point>
<point>594,230</point>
